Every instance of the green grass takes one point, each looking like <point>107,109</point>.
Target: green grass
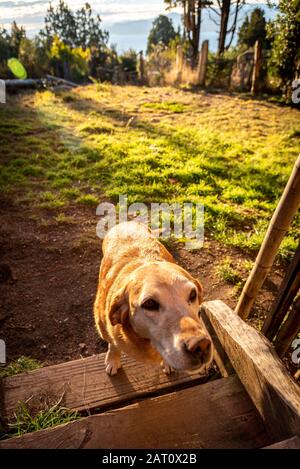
<point>21,365</point>
<point>27,421</point>
<point>63,219</point>
<point>231,154</point>
<point>227,272</point>
<point>88,199</point>
<point>174,107</point>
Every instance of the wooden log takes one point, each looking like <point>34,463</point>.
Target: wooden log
<point>279,225</point>
<point>290,443</point>
<point>273,392</point>
<point>288,290</point>
<point>218,414</point>
<point>15,84</point>
<point>288,330</point>
<point>202,66</point>
<point>84,384</point>
<point>59,80</point>
<point>256,68</point>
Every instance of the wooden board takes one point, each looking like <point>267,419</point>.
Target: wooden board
<point>275,395</point>
<point>85,385</point>
<point>291,443</point>
<point>220,356</point>
<point>217,414</point>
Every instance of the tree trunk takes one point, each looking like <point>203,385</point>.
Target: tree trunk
<point>225,11</point>
<point>196,33</point>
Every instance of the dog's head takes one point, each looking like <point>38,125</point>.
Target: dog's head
<point>161,301</point>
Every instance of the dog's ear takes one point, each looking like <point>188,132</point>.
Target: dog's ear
<point>200,290</point>
<point>119,308</point>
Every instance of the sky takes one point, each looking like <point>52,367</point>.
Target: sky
<point>128,21</point>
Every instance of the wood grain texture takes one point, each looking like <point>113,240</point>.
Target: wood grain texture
<point>275,395</point>
<point>291,443</point>
<point>85,385</point>
<point>220,356</point>
<point>218,414</point>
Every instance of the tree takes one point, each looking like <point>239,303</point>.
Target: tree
<point>162,32</point>
<point>128,60</point>
<point>226,19</point>
<point>285,32</point>
<point>254,29</point>
<point>71,63</point>
<point>75,29</point>
<point>192,13</point>
<point>4,44</point>
<point>16,35</point>
<point>10,43</point>
<point>34,55</point>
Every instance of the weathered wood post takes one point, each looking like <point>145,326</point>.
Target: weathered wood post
<point>141,68</point>
<point>202,65</point>
<point>179,64</point>
<point>279,225</point>
<point>256,67</point>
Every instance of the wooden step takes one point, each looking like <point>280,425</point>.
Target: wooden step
<point>217,414</point>
<point>273,392</point>
<point>290,443</point>
<point>84,384</point>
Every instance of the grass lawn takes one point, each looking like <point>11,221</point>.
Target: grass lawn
<point>156,145</point>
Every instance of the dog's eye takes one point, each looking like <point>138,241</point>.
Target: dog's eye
<point>151,305</point>
<point>193,295</point>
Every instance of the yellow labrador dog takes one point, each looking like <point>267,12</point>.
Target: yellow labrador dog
<point>146,305</point>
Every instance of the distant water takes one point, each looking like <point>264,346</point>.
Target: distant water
<point>128,21</point>
<point>139,41</point>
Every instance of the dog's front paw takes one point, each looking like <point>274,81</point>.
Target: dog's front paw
<point>112,369</point>
<point>167,368</point>
<point>112,361</point>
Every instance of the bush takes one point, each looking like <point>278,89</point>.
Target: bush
<point>69,63</point>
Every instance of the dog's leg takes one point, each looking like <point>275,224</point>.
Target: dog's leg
<point>166,367</point>
<point>112,360</point>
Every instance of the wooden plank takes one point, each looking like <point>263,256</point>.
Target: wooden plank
<point>273,392</point>
<point>218,414</point>
<point>291,443</point>
<point>84,384</point>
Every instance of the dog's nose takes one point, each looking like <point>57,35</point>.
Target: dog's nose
<point>200,346</point>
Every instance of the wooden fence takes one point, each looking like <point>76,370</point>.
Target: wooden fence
<point>243,73</point>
